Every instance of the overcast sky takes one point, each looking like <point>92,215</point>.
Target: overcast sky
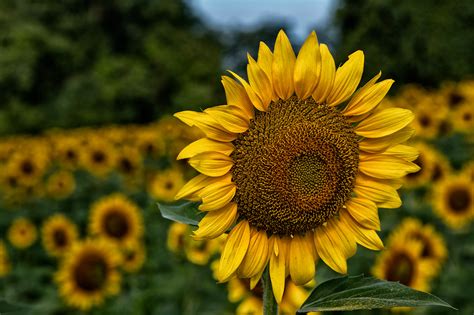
<point>303,14</point>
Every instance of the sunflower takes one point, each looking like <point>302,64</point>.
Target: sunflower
<point>429,167</point>
<point>27,167</point>
<point>89,273</point>
<point>463,118</point>
<point>433,246</point>
<point>453,201</point>
<point>150,142</point>
<point>22,233</point>
<point>165,184</point>
<point>58,233</point>
<point>134,255</point>
<point>116,218</point>
<point>302,176</point>
<point>402,262</point>
<point>66,150</point>
<point>198,252</point>
<point>61,184</point>
<point>428,122</point>
<point>98,156</point>
<point>4,260</point>
<point>129,160</point>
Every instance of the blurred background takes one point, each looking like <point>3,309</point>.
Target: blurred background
<point>87,93</point>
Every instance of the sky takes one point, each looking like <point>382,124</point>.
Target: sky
<point>303,14</point>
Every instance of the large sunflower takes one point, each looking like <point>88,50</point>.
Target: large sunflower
<point>116,218</point>
<point>454,201</point>
<point>301,176</point>
<point>89,273</point>
<point>58,233</point>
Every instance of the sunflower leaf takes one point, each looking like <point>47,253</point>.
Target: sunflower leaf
<point>362,293</point>
<point>8,308</point>
<point>185,212</point>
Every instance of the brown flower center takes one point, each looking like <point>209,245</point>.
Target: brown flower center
<point>90,273</point>
<point>400,268</point>
<point>60,238</point>
<point>116,224</point>
<point>459,199</point>
<point>295,167</point>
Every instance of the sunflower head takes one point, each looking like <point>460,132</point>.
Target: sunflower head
<point>134,255</point>
<point>22,233</point>
<point>116,218</point>
<point>58,233</point>
<point>98,156</point>
<point>165,184</point>
<point>89,273</point>
<point>296,163</point>
<point>60,184</point>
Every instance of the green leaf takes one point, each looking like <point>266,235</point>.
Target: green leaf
<point>185,212</point>
<point>362,293</point>
<point>8,308</point>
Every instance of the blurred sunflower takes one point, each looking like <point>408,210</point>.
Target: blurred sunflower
<point>129,161</point>
<point>441,167</point>
<point>150,142</point>
<point>166,184</point>
<point>463,118</point>
<point>468,170</point>
<point>303,175</point>
<point>60,184</point>
<point>116,218</point>
<point>427,122</point>
<point>433,246</point>
<point>66,151</point>
<point>198,252</point>
<point>134,255</point>
<point>453,201</point>
<point>98,156</point>
<point>22,233</point>
<point>4,260</point>
<point>58,234</point>
<point>402,262</point>
<point>26,168</point>
<point>426,160</point>
<point>89,273</point>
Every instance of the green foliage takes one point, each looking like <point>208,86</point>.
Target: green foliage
<point>365,293</point>
<point>72,63</point>
<point>183,212</point>
<point>425,41</point>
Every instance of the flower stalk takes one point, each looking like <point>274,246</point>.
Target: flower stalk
<point>270,306</point>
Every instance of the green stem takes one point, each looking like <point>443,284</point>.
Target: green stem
<point>270,306</point>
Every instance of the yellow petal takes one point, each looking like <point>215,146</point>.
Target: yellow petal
<point>216,196</point>
<point>347,79</point>
<point>406,152</point>
<point>302,267</point>
<point>216,223</point>
<point>257,255</point>
<point>236,95</point>
<point>260,82</point>
<point>346,241</point>
<point>383,143</point>
<point>254,98</point>
<point>207,124</point>
<point>234,250</point>
<point>265,61</point>
<point>329,249</point>
<point>278,267</point>
<point>196,184</point>
<point>386,166</point>
<point>365,212</point>
<point>205,145</point>
<point>384,195</point>
<point>283,67</point>
<point>307,67</point>
<point>365,237</point>
<point>384,122</point>
<point>230,117</point>
<point>369,96</point>
<point>211,163</point>
<point>256,279</point>
<point>326,76</point>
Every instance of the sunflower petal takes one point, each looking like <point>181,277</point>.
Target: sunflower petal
<point>384,195</point>
<point>386,166</point>
<point>383,143</point>
<point>327,75</point>
<point>196,184</point>
<point>406,152</point>
<point>302,267</point>
<point>365,237</point>
<point>260,82</point>
<point>347,79</point>
<point>207,124</point>
<point>236,95</point>
<point>217,222</point>
<point>234,250</point>
<point>365,212</point>
<point>254,98</point>
<point>278,267</point>
<point>231,117</point>
<point>384,122</point>
<point>257,255</point>
<point>211,163</point>
<point>307,67</point>
<point>328,251</point>
<point>217,195</point>
<point>369,96</point>
<point>346,241</point>
<point>283,66</point>
<point>205,145</point>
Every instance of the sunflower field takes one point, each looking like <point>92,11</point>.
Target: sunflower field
<point>85,182</point>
